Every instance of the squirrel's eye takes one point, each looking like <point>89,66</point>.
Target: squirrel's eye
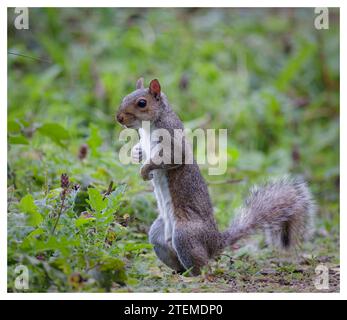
<point>142,103</point>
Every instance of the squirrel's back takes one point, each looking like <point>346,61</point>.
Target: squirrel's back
<point>188,189</point>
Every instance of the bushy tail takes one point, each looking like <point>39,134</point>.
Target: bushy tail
<point>284,209</point>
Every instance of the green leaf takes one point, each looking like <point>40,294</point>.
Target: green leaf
<point>31,238</point>
<point>114,199</point>
<point>35,233</point>
<point>55,132</point>
<point>80,203</point>
<point>62,244</point>
<point>112,264</point>
<point>94,140</point>
<point>82,220</point>
<point>96,200</point>
<point>28,206</point>
<point>13,126</point>
<point>293,66</point>
<point>137,246</point>
<point>17,140</point>
<point>233,154</point>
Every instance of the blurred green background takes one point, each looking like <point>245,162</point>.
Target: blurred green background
<point>267,75</point>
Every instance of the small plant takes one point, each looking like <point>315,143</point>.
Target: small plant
<point>65,186</point>
<point>82,248</point>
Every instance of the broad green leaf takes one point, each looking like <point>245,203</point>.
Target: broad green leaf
<point>81,221</point>
<point>63,244</point>
<point>55,132</point>
<point>30,239</point>
<point>13,126</point>
<point>17,140</point>
<point>96,200</point>
<point>35,233</point>
<point>28,206</point>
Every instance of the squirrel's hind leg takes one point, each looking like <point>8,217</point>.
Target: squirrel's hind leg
<point>163,250</point>
<point>191,251</point>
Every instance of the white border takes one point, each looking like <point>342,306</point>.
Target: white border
<point>165,296</point>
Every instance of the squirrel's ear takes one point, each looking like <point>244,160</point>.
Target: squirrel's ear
<point>154,88</point>
<point>139,83</point>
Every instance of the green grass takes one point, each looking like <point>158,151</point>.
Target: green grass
<point>266,75</point>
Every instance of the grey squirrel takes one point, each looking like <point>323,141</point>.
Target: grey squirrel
<point>185,234</point>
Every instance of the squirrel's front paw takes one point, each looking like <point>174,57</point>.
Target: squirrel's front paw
<point>136,154</point>
<point>146,173</point>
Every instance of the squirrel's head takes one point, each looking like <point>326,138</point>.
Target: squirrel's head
<point>143,104</point>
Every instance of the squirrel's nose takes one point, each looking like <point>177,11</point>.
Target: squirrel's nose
<point>120,118</point>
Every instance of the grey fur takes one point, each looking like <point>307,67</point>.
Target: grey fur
<point>163,250</point>
<point>284,208</point>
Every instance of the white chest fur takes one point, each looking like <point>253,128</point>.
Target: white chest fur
<point>160,184</point>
